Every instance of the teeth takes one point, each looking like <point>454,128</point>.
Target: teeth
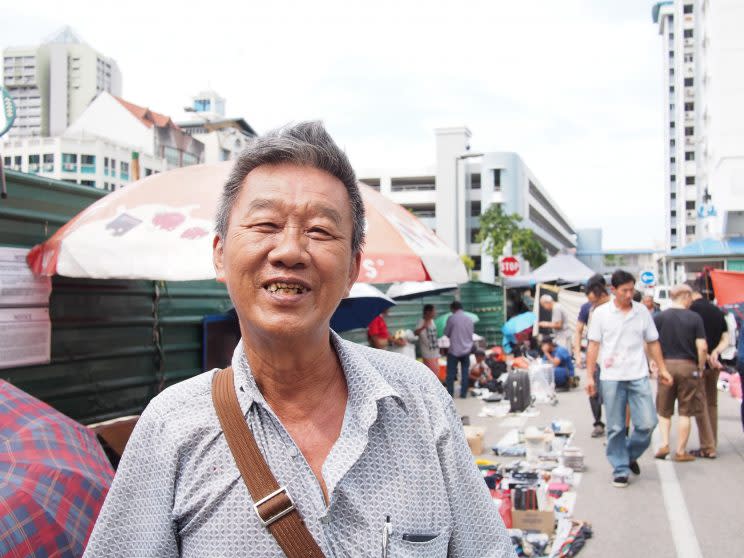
<point>288,288</point>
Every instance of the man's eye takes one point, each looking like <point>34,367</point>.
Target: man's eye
<point>318,232</point>
<point>265,227</point>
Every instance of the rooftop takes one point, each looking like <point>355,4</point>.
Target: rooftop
<point>148,117</point>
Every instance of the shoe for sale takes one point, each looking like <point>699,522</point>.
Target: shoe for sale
<point>620,482</point>
<point>598,431</point>
<point>683,457</point>
<point>635,468</point>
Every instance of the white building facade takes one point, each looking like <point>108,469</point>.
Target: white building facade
<point>719,51</point>
<point>451,195</point>
<point>223,138</point>
<point>88,161</point>
<point>52,83</point>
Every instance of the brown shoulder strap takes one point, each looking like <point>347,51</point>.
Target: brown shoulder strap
<point>273,504</point>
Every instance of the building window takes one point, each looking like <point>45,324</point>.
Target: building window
<point>673,160</point>
<point>671,89</point>
<point>688,34</point>
<point>105,162</point>
<point>33,163</point>
<point>496,179</point>
<point>18,162</point>
<point>189,159</point>
<point>689,82</point>
<point>689,130</point>
<point>88,164</point>
<point>687,9</point>
<point>689,57</point>
<point>148,172</point>
<point>690,229</point>
<point>672,124</point>
<point>689,155</point>
<point>172,156</point>
<point>412,184</point>
<point>475,181</point>
<point>69,162</point>
<point>673,213</point>
<point>671,72</point>
<point>673,178</point>
<point>475,209</point>
<point>690,180</point>
<point>124,170</point>
<point>689,106</point>
<point>48,162</point>
<point>673,196</point>
<point>671,54</point>
<point>91,183</point>
<point>202,105</point>
<point>7,160</point>
<point>690,204</point>
<point>474,235</point>
<point>373,183</point>
<point>672,143</point>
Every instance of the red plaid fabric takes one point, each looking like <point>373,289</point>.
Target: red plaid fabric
<point>53,479</point>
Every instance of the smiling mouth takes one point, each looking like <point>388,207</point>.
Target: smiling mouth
<point>286,288</point>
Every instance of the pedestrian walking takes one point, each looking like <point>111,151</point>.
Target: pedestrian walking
<point>427,338</point>
<point>619,333</point>
<point>459,330</point>
<point>717,339</point>
<point>682,340</point>
<point>596,293</point>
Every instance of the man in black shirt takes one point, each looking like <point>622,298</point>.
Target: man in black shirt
<point>717,338</point>
<point>682,339</point>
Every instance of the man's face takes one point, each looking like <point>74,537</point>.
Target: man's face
<point>591,297</point>
<point>547,347</point>
<point>286,257</point>
<point>648,302</point>
<point>430,314</point>
<point>624,293</point>
<point>548,305</point>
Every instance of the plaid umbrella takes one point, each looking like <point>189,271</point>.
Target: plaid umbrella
<point>53,479</point>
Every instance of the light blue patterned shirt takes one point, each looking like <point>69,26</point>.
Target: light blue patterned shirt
<point>401,453</point>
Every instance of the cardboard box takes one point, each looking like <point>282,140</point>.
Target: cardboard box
<point>474,436</point>
<point>533,520</point>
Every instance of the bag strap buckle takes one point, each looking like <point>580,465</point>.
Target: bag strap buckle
<point>275,506</point>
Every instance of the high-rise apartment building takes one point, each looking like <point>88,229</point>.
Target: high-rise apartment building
<point>52,83</point>
<point>682,196</point>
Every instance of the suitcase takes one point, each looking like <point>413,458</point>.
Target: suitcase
<point>517,390</point>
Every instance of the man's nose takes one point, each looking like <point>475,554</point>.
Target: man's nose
<point>290,249</point>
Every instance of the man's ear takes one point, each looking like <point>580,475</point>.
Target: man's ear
<point>354,267</point>
<point>217,255</point>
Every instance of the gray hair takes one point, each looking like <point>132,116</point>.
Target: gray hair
<point>678,291</point>
<point>305,143</point>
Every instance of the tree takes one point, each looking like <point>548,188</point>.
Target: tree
<point>469,264</point>
<point>497,228</point>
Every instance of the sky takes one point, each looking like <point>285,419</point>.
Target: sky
<point>574,87</point>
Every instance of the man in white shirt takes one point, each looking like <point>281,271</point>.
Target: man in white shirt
<point>618,334</point>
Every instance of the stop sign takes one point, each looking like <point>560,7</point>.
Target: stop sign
<point>509,266</point>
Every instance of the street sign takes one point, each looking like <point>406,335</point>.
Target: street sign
<point>648,278</point>
<point>509,266</point>
<point>8,112</point>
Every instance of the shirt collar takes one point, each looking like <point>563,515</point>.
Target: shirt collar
<point>365,383</point>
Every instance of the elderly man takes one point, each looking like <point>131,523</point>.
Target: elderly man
<point>365,443</point>
<point>558,323</point>
<point>619,333</point>
<point>682,338</point>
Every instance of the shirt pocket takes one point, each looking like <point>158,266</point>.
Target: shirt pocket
<point>436,547</point>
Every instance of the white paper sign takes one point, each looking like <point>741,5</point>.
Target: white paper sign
<point>18,285</point>
<point>25,336</point>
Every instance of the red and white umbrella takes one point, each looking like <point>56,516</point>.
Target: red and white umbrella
<point>161,228</point>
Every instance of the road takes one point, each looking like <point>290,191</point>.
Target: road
<point>686,510</point>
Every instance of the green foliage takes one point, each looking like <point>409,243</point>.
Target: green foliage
<point>467,261</point>
<point>497,228</point>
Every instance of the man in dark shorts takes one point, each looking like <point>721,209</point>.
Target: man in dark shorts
<point>682,339</point>
<point>717,339</point>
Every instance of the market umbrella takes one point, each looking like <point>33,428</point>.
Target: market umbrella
<point>441,321</point>
<point>518,323</point>
<point>363,304</point>
<point>408,290</point>
<point>161,228</point>
<point>54,477</point>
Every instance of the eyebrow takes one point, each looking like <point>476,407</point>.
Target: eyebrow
<point>265,203</point>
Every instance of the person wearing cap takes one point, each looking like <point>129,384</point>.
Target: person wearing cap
<point>682,339</point>
<point>558,323</point>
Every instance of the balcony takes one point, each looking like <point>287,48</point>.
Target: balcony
<point>105,171</point>
<point>69,167</point>
<point>48,167</point>
<point>33,167</point>
<point>88,169</point>
<point>124,175</point>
